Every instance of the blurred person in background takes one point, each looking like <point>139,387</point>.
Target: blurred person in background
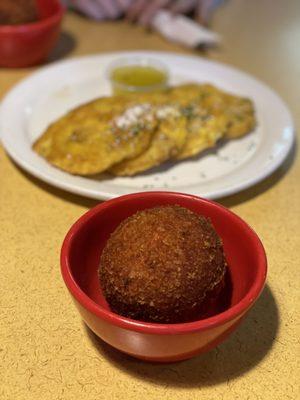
<point>143,11</point>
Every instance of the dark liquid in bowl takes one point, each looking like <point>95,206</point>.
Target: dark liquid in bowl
<point>18,12</point>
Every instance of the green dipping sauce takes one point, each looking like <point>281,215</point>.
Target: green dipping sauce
<point>137,78</point>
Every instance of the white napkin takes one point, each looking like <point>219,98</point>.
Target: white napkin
<point>183,30</point>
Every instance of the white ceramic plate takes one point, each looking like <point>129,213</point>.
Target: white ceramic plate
<point>49,93</point>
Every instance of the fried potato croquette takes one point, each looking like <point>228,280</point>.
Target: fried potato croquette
<point>164,264</point>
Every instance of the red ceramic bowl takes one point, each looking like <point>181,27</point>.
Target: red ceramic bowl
<point>30,44</point>
<point>80,257</point>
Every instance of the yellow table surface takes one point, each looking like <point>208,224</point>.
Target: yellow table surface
<point>45,350</point>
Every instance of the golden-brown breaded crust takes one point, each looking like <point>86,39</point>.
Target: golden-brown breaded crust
<point>161,265</point>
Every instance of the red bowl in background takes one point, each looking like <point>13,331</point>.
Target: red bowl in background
<point>80,257</point>
<point>29,44</point>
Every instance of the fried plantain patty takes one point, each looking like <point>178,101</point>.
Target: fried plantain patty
<point>85,142</point>
<point>168,140</point>
<point>111,133</point>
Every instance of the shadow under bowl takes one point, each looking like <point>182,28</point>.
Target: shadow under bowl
<point>80,256</point>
